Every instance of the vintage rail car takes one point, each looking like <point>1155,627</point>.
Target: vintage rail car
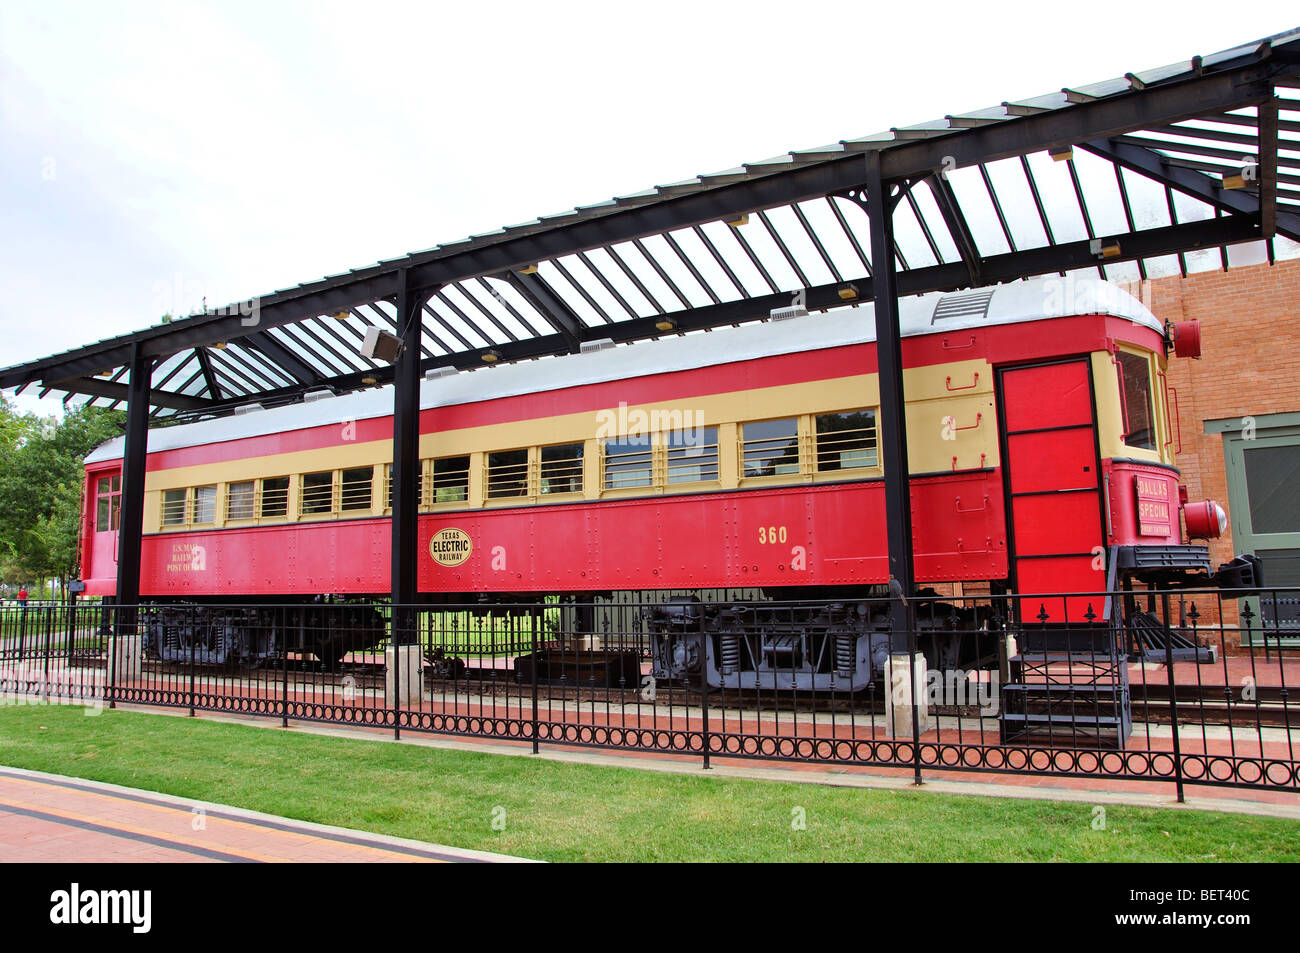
<point>1040,446</point>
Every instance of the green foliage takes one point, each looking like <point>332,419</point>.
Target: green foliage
<point>14,427</point>
<point>41,481</point>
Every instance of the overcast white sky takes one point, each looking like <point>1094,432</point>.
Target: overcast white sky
<point>236,148</point>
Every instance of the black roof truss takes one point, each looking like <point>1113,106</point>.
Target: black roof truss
<point>623,268</point>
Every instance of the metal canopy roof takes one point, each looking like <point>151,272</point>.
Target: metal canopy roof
<point>984,197</point>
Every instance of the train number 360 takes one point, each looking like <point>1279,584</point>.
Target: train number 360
<point>772,534</point>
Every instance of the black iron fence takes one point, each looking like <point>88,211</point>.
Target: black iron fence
<point>1177,686</point>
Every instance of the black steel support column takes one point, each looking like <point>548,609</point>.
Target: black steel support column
<point>131,517</point>
<point>405,476</point>
<point>406,458</point>
<point>1267,168</point>
<point>406,448</point>
<point>891,425</point>
<point>891,429</point>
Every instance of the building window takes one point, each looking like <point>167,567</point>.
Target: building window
<point>173,507</point>
<point>507,474</point>
<point>450,479</point>
<point>317,493</point>
<point>692,455</point>
<point>1272,479</point>
<point>1135,392</point>
<point>629,462</point>
<point>240,499</point>
<point>108,500</point>
<point>205,504</point>
<point>561,469</point>
<point>770,448</point>
<point>1262,467</point>
<point>846,441</point>
<point>356,488</point>
<point>275,498</point>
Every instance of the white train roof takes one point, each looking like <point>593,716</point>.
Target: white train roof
<point>1011,303</point>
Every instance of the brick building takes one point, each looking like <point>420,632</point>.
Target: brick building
<point>1238,409</point>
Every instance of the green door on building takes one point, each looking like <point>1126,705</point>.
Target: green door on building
<point>1262,457</point>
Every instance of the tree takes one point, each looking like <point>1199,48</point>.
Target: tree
<point>41,490</point>
<point>14,427</point>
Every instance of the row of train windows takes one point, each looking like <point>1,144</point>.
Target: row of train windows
<point>325,492</point>
<point>267,498</point>
<point>771,448</point>
<point>519,473</point>
<point>843,441</point>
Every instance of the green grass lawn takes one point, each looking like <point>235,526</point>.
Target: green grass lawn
<point>34,644</point>
<point>10,616</point>
<point>555,811</point>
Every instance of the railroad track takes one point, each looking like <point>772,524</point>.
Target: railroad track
<point>1271,706</point>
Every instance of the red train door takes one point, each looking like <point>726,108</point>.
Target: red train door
<point>105,504</point>
<point>1053,484</point>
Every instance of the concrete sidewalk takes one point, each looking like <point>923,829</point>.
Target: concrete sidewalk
<point>48,818</point>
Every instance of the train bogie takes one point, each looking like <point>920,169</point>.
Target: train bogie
<point>200,634</point>
<point>824,646</point>
<point>829,648</point>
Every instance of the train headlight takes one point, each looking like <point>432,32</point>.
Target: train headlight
<point>1186,337</point>
<point>1205,520</point>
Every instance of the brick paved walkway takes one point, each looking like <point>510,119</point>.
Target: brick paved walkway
<point>50,818</point>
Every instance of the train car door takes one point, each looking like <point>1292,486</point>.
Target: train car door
<point>1051,471</point>
<point>104,519</point>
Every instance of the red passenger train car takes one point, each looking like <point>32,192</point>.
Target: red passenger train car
<point>1040,448</point>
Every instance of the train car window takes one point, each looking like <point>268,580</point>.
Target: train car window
<point>450,477</point>
<point>317,492</point>
<point>173,507</point>
<point>770,447</point>
<point>1135,389</point>
<point>629,462</point>
<point>356,488</point>
<point>205,504</point>
<point>561,470</point>
<point>692,455</point>
<point>846,441</point>
<point>507,474</point>
<point>275,498</point>
<point>239,500</point>
<point>388,486</point>
<point>108,503</point>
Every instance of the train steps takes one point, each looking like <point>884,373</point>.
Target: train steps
<point>1067,699</point>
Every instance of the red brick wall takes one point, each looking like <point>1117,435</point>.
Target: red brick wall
<point>1250,363</point>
